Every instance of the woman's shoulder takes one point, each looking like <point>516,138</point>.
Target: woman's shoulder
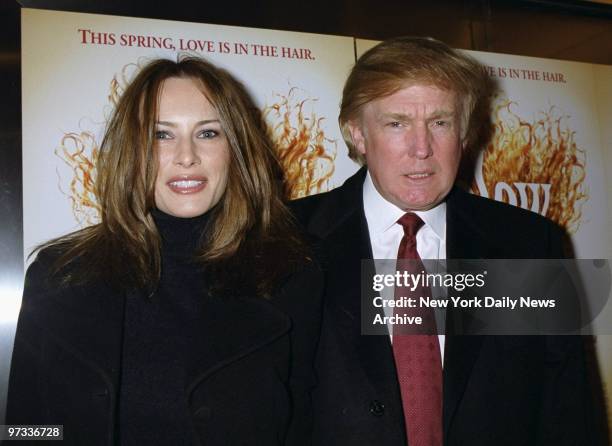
<point>41,268</point>
<point>57,258</point>
<point>41,285</point>
<point>52,274</point>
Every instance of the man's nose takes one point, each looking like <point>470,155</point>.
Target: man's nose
<point>186,154</point>
<point>419,142</point>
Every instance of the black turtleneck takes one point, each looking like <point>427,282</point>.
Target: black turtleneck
<point>163,337</point>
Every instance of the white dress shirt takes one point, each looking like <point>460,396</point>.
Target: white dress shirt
<point>386,233</point>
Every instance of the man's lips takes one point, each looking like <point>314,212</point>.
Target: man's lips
<point>187,184</point>
<point>417,176</point>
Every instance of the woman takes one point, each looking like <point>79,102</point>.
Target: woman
<point>190,314</point>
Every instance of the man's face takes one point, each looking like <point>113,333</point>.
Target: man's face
<point>412,143</point>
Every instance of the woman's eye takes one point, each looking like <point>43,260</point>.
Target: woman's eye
<point>207,134</point>
<point>162,134</point>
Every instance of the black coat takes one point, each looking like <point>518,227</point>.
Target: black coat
<point>498,390</point>
<point>253,388</point>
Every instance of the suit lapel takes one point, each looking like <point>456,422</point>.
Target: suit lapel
<point>464,240</point>
<point>340,220</point>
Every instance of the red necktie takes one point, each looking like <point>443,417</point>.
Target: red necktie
<point>417,356</point>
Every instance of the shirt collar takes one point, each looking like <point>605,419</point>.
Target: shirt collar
<point>381,214</point>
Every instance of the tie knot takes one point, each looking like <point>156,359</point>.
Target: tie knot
<point>411,223</point>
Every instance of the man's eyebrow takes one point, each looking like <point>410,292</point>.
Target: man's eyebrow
<point>441,113</point>
<point>172,124</point>
<point>396,116</point>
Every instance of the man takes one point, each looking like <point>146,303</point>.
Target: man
<point>408,115</point>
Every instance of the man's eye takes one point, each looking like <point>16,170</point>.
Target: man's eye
<point>395,124</point>
<point>207,134</point>
<point>441,123</point>
<point>162,134</point>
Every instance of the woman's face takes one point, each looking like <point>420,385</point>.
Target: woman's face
<point>192,149</point>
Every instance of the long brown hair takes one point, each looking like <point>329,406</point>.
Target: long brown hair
<point>250,232</point>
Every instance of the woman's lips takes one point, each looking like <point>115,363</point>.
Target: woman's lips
<point>187,184</point>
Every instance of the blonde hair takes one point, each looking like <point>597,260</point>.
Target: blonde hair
<point>125,246</point>
<point>403,61</point>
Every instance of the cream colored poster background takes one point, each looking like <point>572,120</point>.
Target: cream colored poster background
<point>75,65</point>
<point>602,83</point>
<point>576,100</point>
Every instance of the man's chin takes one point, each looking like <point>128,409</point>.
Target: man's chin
<point>424,203</point>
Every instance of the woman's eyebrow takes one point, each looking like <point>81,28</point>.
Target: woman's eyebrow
<point>172,124</point>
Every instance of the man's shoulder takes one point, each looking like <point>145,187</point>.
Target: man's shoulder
<point>508,231</point>
<point>319,211</point>
<point>495,212</point>
<point>303,208</point>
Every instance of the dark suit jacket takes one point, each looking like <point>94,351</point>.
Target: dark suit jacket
<point>253,387</point>
<point>498,390</point>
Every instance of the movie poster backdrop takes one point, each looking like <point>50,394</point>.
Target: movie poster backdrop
<point>549,151</point>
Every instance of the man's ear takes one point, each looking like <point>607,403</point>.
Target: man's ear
<point>357,136</point>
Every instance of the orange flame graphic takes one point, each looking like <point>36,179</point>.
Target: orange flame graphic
<point>543,152</point>
<point>300,143</point>
<point>120,81</point>
<point>79,151</point>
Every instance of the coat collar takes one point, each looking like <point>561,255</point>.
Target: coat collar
<point>236,327</point>
<point>91,328</point>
